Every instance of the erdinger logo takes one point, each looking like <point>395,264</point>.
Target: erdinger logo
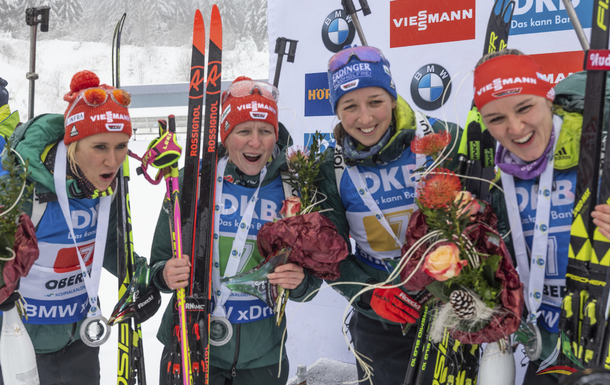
<point>431,87</point>
<point>337,30</point>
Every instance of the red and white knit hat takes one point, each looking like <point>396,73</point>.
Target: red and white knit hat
<point>509,75</point>
<point>258,103</point>
<point>96,111</point>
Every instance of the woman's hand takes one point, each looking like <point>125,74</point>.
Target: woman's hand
<point>288,276</point>
<point>601,219</point>
<point>177,272</point>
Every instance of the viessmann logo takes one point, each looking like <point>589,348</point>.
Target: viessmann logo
<point>417,22</point>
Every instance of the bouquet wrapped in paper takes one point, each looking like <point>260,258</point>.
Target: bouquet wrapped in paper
<point>456,253</point>
<point>312,239</point>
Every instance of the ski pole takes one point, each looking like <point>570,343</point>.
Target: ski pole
<point>170,173</point>
<point>348,6</point>
<point>280,50</point>
<point>580,33</point>
<point>33,17</point>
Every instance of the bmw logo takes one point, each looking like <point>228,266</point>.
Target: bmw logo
<point>337,31</point>
<point>430,87</point>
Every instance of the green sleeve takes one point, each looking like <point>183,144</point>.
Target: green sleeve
<point>310,283</point>
<point>161,250</point>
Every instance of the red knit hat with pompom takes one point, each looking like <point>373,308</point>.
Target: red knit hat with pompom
<point>82,120</point>
<point>252,107</point>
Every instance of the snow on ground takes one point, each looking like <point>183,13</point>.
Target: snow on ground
<point>314,327</point>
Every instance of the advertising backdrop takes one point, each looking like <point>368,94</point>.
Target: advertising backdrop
<point>432,47</point>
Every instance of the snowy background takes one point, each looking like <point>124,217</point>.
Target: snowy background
<point>155,50</point>
<point>59,57</point>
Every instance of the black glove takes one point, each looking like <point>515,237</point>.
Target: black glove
<point>146,304</point>
<point>9,303</point>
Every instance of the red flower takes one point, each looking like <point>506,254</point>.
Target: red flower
<point>438,189</point>
<point>431,144</point>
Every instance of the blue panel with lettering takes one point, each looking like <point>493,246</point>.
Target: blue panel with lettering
<point>317,95</point>
<point>533,16</point>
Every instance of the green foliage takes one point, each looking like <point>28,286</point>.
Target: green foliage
<point>11,186</point>
<point>304,169</point>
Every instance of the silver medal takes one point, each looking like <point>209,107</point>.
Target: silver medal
<point>94,331</point>
<point>221,331</point>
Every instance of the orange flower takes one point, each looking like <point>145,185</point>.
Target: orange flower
<point>444,262</point>
<point>431,144</point>
<point>438,189</point>
<point>291,207</point>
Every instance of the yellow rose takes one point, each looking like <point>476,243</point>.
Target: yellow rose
<point>444,262</point>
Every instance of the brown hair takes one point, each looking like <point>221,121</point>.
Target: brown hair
<point>502,52</point>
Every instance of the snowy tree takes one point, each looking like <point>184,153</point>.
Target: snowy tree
<point>148,22</point>
<point>256,19</point>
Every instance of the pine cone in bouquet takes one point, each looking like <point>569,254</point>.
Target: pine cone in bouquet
<point>511,300</point>
<point>463,304</point>
<point>505,314</point>
<point>26,253</point>
<point>314,240</point>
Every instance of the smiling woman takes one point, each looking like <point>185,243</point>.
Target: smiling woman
<point>538,147</point>
<point>73,161</point>
<point>246,341</point>
<point>370,189</point>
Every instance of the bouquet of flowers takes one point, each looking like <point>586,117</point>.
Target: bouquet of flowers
<point>456,253</point>
<point>303,236</point>
<point>18,243</point>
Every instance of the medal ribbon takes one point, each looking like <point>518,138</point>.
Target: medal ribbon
<point>92,281</point>
<point>532,277</point>
<point>222,292</point>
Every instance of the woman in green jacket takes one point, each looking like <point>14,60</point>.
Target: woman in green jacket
<point>255,145</point>
<point>369,187</point>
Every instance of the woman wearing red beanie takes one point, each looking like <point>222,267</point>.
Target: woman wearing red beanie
<point>73,162</point>
<point>250,194</point>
